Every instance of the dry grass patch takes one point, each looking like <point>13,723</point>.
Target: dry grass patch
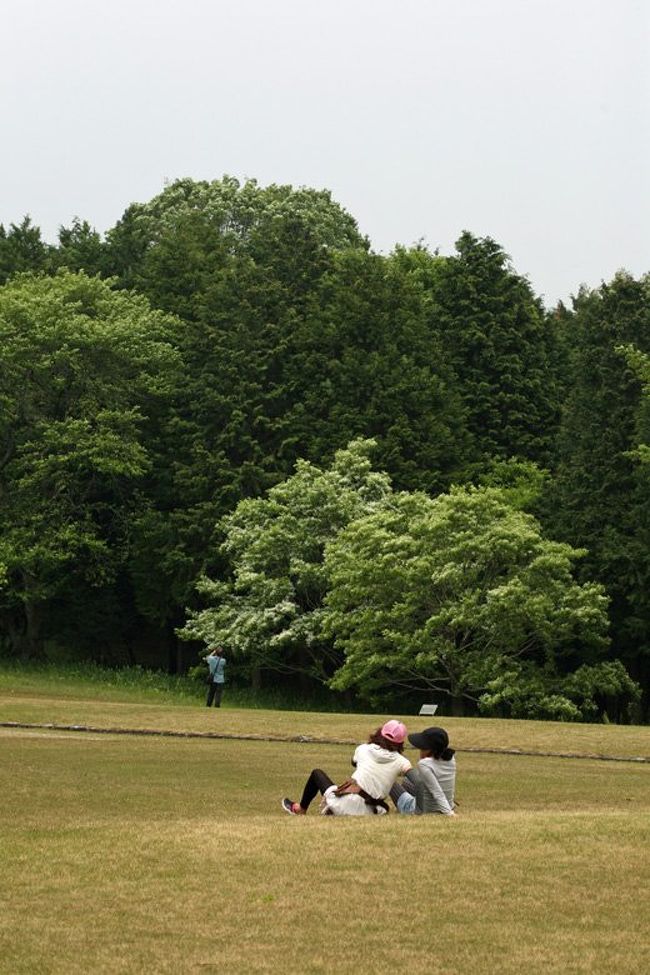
<point>139,855</point>
<point>466,733</point>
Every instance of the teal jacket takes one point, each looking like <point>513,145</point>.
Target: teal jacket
<point>217,667</point>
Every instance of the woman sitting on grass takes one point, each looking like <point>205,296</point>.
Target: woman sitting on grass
<point>377,765</point>
<point>430,787</point>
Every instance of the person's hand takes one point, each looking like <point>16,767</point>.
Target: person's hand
<point>349,787</point>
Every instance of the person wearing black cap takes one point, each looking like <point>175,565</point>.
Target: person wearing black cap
<point>429,788</point>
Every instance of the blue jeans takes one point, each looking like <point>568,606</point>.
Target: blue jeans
<point>404,795</point>
<point>406,804</point>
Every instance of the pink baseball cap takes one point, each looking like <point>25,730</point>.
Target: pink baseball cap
<point>394,731</point>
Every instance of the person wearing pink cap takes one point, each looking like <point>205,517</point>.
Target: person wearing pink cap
<point>377,765</point>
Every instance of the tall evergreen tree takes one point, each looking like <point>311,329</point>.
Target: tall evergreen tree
<point>600,498</point>
<point>502,348</point>
<point>80,248</point>
<point>22,249</point>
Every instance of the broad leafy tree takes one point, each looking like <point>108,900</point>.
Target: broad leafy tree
<point>258,221</point>
<point>83,373</point>
<point>269,611</point>
<point>451,593</point>
<point>236,263</point>
<point>296,339</point>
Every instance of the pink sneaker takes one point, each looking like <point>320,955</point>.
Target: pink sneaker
<point>293,808</point>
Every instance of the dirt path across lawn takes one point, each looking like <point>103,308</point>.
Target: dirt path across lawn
<point>295,739</point>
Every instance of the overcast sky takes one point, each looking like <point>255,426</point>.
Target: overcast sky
<point>525,120</point>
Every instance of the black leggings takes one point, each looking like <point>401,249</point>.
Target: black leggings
<point>317,782</point>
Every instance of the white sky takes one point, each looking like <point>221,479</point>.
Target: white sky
<point>523,119</point>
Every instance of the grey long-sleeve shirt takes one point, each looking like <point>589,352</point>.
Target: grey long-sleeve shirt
<point>436,786</point>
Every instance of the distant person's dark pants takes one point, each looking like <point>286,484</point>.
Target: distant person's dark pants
<point>215,692</point>
<point>317,782</point>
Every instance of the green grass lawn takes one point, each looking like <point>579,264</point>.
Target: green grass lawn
<point>139,855</point>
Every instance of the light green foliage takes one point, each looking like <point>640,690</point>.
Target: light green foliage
<point>447,593</point>
<point>82,369</point>
<point>521,481</point>
<point>524,692</point>
<point>248,217</point>
<point>270,612</point>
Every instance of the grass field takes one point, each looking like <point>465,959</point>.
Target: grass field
<point>152,854</point>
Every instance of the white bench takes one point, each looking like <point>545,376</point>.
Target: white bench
<point>428,709</point>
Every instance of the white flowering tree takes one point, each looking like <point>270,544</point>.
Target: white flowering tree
<point>269,611</point>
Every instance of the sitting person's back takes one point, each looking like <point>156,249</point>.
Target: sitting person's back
<point>430,788</point>
<point>436,786</point>
<point>377,764</point>
<point>376,769</point>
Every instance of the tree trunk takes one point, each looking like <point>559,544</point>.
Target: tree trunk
<point>16,625</point>
<point>457,704</point>
<point>305,680</point>
<point>256,679</point>
<point>33,642</point>
<point>32,646</point>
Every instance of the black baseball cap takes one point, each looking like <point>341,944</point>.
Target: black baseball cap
<point>430,740</point>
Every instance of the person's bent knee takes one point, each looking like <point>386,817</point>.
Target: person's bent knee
<point>406,804</point>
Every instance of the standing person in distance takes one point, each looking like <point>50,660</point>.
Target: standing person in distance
<point>217,664</point>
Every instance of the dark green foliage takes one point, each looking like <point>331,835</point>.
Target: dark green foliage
<point>295,339</point>
<point>502,347</point>
<point>291,338</point>
<point>600,497</point>
<point>365,361</point>
<point>80,248</point>
<point>22,249</point>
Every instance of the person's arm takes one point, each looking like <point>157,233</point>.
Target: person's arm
<point>432,785</point>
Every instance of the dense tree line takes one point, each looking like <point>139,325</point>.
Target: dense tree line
<point>154,378</point>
